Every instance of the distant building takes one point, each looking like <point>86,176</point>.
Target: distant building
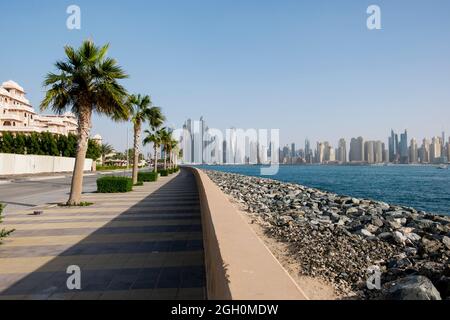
<point>424,152</point>
<point>394,154</point>
<point>413,152</point>
<point>369,155</point>
<point>404,152</point>
<point>357,149</point>
<point>435,150</point>
<point>342,151</point>
<point>17,114</point>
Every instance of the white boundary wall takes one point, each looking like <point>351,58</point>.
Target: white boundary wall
<point>11,164</point>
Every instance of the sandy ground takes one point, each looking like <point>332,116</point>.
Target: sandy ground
<point>315,289</point>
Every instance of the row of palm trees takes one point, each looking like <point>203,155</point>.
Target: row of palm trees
<point>87,82</point>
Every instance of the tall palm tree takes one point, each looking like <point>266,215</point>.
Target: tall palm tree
<point>170,146</point>
<point>86,82</point>
<point>174,152</point>
<point>140,111</point>
<point>105,149</point>
<point>155,138</point>
<point>156,120</point>
<point>166,138</point>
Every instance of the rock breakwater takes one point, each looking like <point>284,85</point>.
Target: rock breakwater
<point>346,240</point>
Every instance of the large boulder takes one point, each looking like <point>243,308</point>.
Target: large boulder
<point>411,288</point>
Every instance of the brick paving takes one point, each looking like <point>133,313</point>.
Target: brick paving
<point>146,244</point>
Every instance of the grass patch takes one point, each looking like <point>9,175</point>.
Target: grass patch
<point>114,185</point>
<point>3,232</point>
<point>147,176</point>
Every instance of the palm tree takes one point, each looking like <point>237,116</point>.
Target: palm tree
<point>170,146</point>
<point>155,138</point>
<point>174,152</point>
<point>140,111</point>
<point>166,138</point>
<point>105,149</point>
<point>86,82</point>
<point>156,119</point>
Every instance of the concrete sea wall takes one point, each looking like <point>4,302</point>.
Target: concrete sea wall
<point>238,264</point>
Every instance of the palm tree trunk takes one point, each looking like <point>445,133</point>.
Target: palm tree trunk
<point>155,165</point>
<point>165,159</point>
<point>84,127</point>
<point>137,138</point>
<point>170,159</point>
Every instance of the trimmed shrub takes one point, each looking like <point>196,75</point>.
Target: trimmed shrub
<point>3,233</point>
<point>108,168</point>
<point>114,185</point>
<point>176,169</point>
<point>164,173</point>
<point>147,176</point>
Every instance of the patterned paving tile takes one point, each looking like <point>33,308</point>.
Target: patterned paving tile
<point>143,245</point>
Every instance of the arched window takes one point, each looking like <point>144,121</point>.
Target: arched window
<point>7,124</point>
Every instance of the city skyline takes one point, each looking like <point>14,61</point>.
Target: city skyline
<point>311,69</point>
<point>204,145</point>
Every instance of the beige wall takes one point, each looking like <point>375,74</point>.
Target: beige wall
<point>29,164</point>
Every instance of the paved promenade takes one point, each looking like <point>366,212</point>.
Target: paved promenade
<point>142,245</point>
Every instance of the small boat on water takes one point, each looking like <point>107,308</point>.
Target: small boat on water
<point>443,166</point>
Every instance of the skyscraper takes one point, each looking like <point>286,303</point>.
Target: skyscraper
<point>404,152</point>
<point>369,147</point>
<point>320,152</point>
<point>435,150</point>
<point>308,151</point>
<point>357,149</point>
<point>413,152</point>
<point>394,152</point>
<point>342,151</point>
<point>424,153</point>
<point>378,151</point>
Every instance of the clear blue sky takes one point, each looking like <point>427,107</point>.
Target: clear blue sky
<point>310,68</point>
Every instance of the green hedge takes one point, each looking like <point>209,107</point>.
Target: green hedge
<point>45,144</point>
<point>164,173</point>
<point>147,176</point>
<point>114,184</point>
<point>176,169</point>
<point>3,233</point>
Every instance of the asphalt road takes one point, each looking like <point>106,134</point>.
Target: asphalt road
<point>29,192</point>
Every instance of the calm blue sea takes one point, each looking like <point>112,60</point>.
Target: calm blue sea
<point>422,187</point>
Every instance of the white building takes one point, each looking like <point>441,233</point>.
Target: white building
<point>17,114</point>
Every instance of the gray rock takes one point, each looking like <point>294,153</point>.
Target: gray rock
<point>399,237</point>
<point>395,224</point>
<point>385,235</point>
<point>365,233</point>
<point>446,242</point>
<point>430,246</point>
<point>412,288</point>
<point>377,222</point>
<point>413,236</point>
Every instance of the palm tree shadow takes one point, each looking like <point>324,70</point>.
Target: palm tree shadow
<point>155,244</point>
